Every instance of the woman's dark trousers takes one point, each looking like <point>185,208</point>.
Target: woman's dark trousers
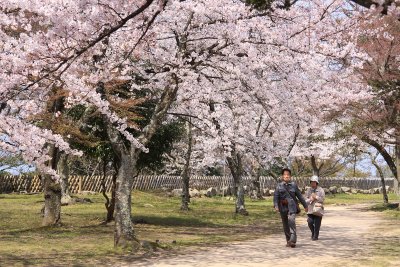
<point>314,223</point>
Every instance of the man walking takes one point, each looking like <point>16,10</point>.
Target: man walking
<point>286,203</point>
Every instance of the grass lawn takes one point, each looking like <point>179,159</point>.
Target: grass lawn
<point>83,240</point>
<point>348,199</point>
<point>82,236</point>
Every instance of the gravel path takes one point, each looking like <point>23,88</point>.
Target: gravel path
<point>344,241</point>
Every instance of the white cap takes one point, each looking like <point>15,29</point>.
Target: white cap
<point>314,178</point>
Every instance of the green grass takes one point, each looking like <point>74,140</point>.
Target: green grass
<point>349,199</point>
<point>389,211</point>
<point>84,240</point>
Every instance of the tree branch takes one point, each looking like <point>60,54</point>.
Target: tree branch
<point>90,44</point>
<point>386,156</point>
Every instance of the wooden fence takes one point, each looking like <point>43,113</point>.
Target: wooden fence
<point>32,184</point>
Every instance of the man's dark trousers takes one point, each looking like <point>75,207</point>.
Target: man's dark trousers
<point>289,226</point>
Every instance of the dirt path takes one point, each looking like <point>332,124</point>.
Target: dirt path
<point>345,240</point>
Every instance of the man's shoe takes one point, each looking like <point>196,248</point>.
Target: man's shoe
<point>314,238</point>
<point>291,244</point>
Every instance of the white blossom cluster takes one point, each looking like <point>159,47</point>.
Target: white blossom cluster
<point>250,79</point>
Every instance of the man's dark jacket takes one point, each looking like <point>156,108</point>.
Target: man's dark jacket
<point>281,193</point>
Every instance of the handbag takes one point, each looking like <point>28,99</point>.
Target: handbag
<point>318,209</point>
<point>298,210</point>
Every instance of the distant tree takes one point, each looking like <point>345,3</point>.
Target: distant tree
<point>376,122</point>
<point>10,163</point>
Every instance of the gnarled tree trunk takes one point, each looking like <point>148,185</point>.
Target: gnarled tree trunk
<point>110,203</point>
<point>379,169</point>
<point>315,168</point>
<point>240,207</point>
<point>235,165</point>
<point>52,189</point>
<point>397,177</point>
<point>186,170</point>
<point>256,185</point>
<point>52,201</point>
<point>124,234</point>
<point>52,192</point>
<point>63,171</point>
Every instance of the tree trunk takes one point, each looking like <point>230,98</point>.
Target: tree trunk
<point>186,170</point>
<point>314,166</point>
<point>52,201</point>
<point>384,193</point>
<point>386,156</point>
<point>396,187</point>
<point>110,203</point>
<point>256,186</point>
<point>379,169</point>
<point>63,171</point>
<point>240,207</point>
<point>397,177</point>
<point>235,165</point>
<point>111,206</point>
<point>52,192</point>
<point>124,234</point>
<point>185,189</point>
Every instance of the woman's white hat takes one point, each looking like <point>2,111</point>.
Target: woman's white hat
<point>314,178</point>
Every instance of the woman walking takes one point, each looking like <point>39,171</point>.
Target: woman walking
<point>315,196</point>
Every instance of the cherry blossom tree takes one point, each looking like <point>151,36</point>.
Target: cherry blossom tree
<point>248,78</point>
<point>73,45</point>
<point>60,44</point>
<point>376,122</point>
